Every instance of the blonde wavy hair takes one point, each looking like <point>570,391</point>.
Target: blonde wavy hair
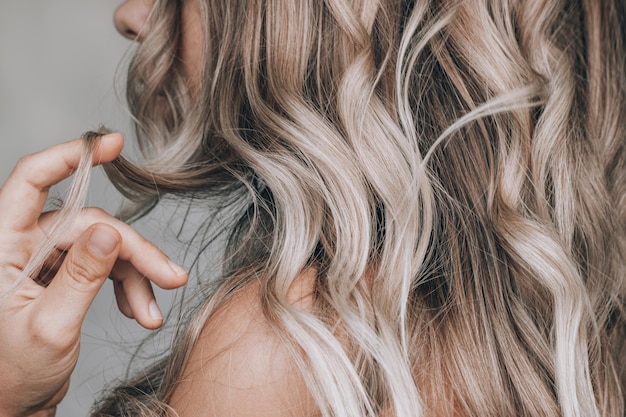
<point>454,172</point>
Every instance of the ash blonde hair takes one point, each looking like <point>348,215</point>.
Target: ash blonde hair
<point>453,170</point>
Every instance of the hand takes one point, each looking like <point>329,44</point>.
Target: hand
<point>40,326</point>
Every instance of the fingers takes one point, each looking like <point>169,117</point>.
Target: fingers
<point>122,301</point>
<point>135,297</point>
<point>87,265</point>
<point>148,260</point>
<point>23,195</point>
<point>138,263</point>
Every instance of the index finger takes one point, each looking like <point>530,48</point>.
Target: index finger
<point>23,195</point>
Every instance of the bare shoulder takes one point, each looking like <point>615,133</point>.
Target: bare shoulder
<point>240,367</point>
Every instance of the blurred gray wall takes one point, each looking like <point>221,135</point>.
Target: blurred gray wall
<point>58,59</point>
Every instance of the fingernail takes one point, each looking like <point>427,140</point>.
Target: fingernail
<point>178,270</point>
<point>102,242</point>
<point>155,312</point>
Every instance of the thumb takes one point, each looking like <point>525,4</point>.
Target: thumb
<point>85,268</point>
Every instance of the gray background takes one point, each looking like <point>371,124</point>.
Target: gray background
<point>58,63</point>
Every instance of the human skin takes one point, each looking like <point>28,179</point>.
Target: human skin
<point>239,366</point>
<point>41,340</point>
<point>40,326</point>
<point>132,20</point>
<point>253,372</point>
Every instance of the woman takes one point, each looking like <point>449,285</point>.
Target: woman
<point>429,203</point>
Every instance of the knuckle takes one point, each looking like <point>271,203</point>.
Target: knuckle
<point>82,273</point>
<point>42,331</point>
<point>89,216</point>
<point>143,241</point>
<point>25,164</point>
<point>94,213</point>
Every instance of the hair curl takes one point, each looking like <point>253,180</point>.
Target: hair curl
<point>453,170</point>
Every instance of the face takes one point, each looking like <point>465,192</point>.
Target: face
<point>132,21</point>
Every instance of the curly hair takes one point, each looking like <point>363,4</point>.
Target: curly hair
<point>454,172</point>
